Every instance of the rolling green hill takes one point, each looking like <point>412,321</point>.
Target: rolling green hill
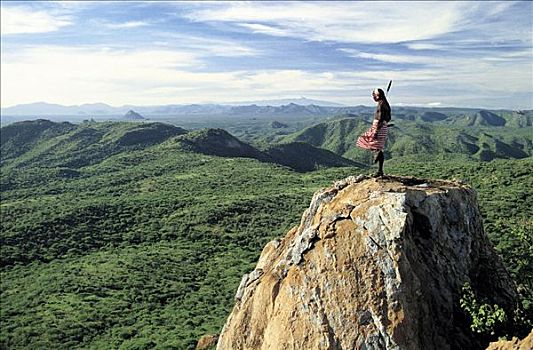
<point>20,137</point>
<point>464,117</point>
<point>255,128</point>
<point>338,135</point>
<point>115,235</point>
<point>409,137</point>
<point>303,157</point>
<point>69,146</point>
<point>50,144</point>
<point>218,142</point>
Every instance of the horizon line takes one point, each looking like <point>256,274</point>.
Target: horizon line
<point>252,103</point>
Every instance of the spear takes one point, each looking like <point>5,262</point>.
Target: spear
<point>387,93</point>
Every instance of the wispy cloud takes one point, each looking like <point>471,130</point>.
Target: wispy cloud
<point>425,46</point>
<point>390,58</point>
<point>25,20</point>
<point>129,24</point>
<point>524,55</point>
<point>206,46</point>
<point>265,29</point>
<point>360,22</point>
<point>515,59</point>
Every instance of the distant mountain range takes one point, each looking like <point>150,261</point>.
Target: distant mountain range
<point>102,109</point>
<point>287,107</point>
<point>302,101</point>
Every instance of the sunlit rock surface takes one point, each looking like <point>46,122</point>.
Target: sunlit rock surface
<point>374,264</point>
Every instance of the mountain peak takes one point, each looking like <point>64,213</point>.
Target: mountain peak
<point>374,264</point>
<point>132,115</point>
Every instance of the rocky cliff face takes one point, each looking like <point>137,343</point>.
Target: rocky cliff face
<point>374,264</point>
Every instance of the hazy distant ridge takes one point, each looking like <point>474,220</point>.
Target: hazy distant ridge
<point>99,109</point>
<point>285,107</point>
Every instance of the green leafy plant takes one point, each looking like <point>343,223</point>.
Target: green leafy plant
<point>485,317</point>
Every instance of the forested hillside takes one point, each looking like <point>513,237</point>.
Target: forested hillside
<point>424,136</point>
<point>136,235</point>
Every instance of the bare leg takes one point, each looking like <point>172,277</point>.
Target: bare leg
<point>376,155</point>
<point>380,158</point>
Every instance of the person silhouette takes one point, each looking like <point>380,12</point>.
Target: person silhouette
<point>375,137</point>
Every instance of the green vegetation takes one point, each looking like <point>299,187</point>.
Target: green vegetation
<point>409,137</point>
<point>146,246</point>
<point>301,156</point>
<point>485,317</point>
<point>491,319</point>
<point>218,142</point>
<point>126,236</point>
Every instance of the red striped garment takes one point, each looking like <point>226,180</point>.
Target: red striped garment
<point>367,141</point>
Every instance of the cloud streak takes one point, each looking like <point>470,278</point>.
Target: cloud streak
<point>349,22</point>
<point>24,20</point>
<point>389,58</point>
<point>204,46</point>
<point>129,24</point>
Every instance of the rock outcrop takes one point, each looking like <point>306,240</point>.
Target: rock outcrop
<point>513,344</point>
<point>374,264</point>
<point>207,342</point>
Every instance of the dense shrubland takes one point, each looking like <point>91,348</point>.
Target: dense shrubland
<point>138,244</point>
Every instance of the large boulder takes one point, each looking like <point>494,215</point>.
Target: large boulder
<point>374,264</point>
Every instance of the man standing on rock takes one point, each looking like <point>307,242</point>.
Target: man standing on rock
<point>374,138</point>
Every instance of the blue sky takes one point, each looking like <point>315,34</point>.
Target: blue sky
<point>464,54</point>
